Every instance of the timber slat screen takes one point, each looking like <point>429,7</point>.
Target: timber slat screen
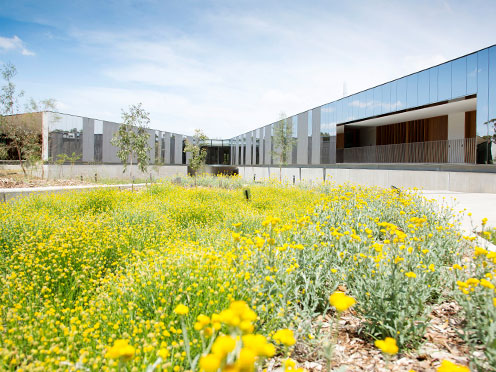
<point>450,151</point>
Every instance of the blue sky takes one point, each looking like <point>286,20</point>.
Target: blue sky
<point>227,66</point>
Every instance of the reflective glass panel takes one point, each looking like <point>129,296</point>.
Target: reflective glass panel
<point>370,103</point>
<point>411,90</point>
<point>472,74</point>
<point>433,84</point>
<point>444,82</point>
<point>386,98</point>
<point>355,102</point>
<point>423,88</point>
<point>377,101</point>
<point>393,95</point>
<point>349,108</point>
<point>65,135</point>
<point>339,105</point>
<point>401,94</point>
<point>492,85</point>
<point>362,103</point>
<point>482,92</point>
<point>459,78</point>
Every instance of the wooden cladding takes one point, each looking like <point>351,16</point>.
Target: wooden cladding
<point>340,140</point>
<point>450,151</point>
<point>422,130</point>
<point>470,124</point>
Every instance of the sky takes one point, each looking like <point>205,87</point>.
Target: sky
<point>230,66</point>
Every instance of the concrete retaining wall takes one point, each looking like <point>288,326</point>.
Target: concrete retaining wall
<point>473,182</point>
<point>112,171</point>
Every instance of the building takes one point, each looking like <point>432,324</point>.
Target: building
<point>437,115</point>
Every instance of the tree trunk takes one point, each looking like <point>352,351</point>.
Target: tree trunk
<point>20,158</point>
<point>131,166</point>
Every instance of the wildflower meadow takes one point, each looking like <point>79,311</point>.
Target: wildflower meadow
<point>175,277</point>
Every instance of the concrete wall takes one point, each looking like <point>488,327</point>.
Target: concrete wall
<point>178,151</point>
<point>109,152</point>
<point>248,150</point>
<point>456,125</point>
<point>472,182</point>
<point>167,139</point>
<point>268,145</point>
<point>88,140</point>
<point>113,171</point>
<point>302,152</point>
<point>316,136</point>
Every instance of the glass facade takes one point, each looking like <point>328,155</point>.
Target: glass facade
<point>467,77</point>
<point>65,136</point>
<point>464,77</point>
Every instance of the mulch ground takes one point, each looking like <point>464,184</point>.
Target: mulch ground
<point>352,353</point>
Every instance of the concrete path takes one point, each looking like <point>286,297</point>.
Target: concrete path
<point>479,205</point>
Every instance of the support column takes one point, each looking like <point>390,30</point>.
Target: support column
<point>88,140</point>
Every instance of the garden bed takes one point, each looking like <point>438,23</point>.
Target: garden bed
<point>97,279</point>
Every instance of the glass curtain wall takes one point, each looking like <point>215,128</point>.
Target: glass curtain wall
<point>98,140</point>
<point>309,134</point>
<point>65,136</point>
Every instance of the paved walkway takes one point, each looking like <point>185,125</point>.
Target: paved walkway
<point>480,205</point>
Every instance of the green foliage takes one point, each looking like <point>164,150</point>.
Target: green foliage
<point>197,150</point>
<point>23,132</point>
<point>132,138</point>
<point>283,140</point>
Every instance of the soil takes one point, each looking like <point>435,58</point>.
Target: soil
<point>9,180</point>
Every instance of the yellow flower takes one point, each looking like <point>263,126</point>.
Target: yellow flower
<point>201,322</point>
<point>447,366</point>
<point>285,337</point>
<point>223,345</point>
<point>259,345</point>
<point>210,363</point>
<point>289,364</point>
<point>411,274</point>
<point>479,251</point>
<point>121,349</point>
<point>163,353</point>
<point>341,301</point>
<point>246,360</point>
<point>486,283</point>
<point>388,345</point>
<point>181,310</point>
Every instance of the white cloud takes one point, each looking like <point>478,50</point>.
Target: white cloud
<point>241,67</point>
<point>14,44</point>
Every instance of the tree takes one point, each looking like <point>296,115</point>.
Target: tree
<point>492,123</point>
<point>132,138</point>
<point>283,141</point>
<point>22,132</point>
<point>197,150</point>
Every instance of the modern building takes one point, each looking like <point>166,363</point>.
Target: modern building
<point>437,115</point>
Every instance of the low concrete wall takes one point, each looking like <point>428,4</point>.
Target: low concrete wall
<point>112,171</point>
<point>9,194</point>
<point>461,181</point>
